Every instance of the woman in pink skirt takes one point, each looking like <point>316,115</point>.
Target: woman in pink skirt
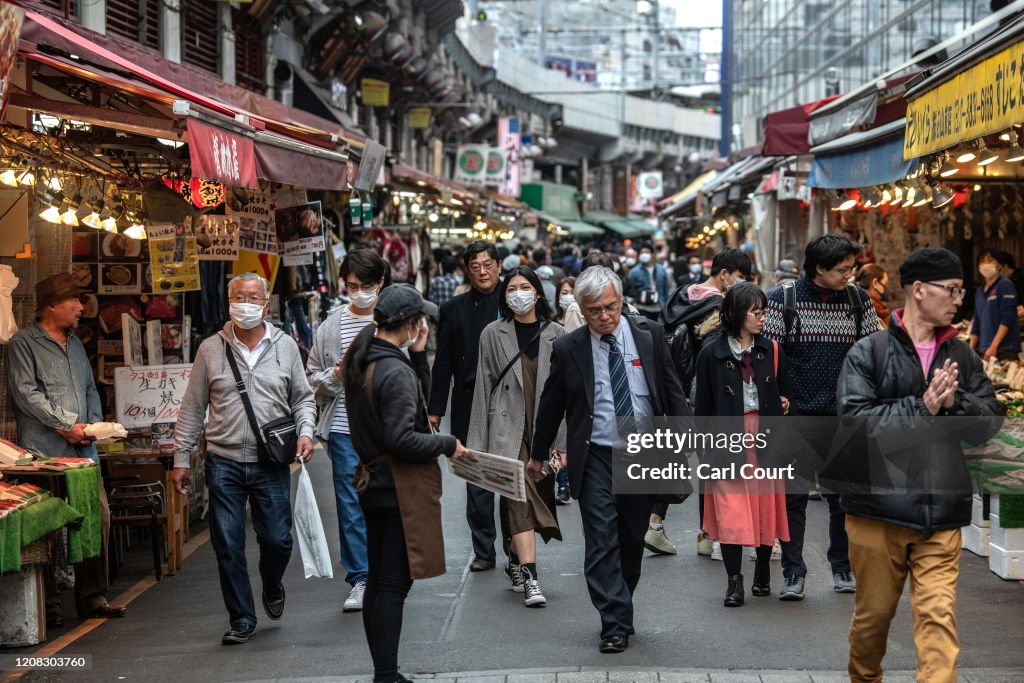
<point>742,373</point>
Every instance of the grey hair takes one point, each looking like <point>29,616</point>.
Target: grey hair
<point>249,277</point>
<point>592,282</point>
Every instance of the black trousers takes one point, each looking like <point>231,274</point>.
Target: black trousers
<point>613,529</point>
<point>387,583</point>
<point>819,433</point>
<point>480,516</point>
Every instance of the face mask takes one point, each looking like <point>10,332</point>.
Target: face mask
<point>615,266</point>
<point>988,270</point>
<point>521,302</point>
<point>566,301</point>
<point>880,289</point>
<point>458,278</point>
<point>246,316</point>
<point>630,261</point>
<point>411,340</point>
<point>364,299</point>
<point>695,268</point>
<point>731,283</point>
<point>645,258</point>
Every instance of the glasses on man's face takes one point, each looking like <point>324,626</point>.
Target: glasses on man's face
<point>352,287</point>
<point>953,291</point>
<point>483,266</point>
<point>598,311</point>
<point>759,313</point>
<point>241,299</point>
<point>849,270</point>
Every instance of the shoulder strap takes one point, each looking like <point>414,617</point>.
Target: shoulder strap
<point>879,354</point>
<point>775,352</point>
<point>368,385</point>
<point>853,296</point>
<point>240,385</point>
<point>515,358</point>
<point>789,314</point>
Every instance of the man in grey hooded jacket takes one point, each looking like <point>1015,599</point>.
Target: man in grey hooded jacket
<point>271,369</point>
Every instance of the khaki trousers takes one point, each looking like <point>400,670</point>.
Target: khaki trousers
<point>882,555</point>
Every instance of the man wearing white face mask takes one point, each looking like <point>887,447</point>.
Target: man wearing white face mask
<point>362,271</point>
<point>238,469</point>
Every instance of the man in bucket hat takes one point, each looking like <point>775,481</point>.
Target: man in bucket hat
<point>54,397</point>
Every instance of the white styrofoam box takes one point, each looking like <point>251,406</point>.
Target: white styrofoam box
<point>975,539</point>
<point>1011,539</point>
<point>978,517</point>
<point>22,608</point>
<point>993,507</point>
<point>1007,564</point>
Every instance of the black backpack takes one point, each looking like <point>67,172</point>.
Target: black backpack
<point>791,319</point>
<point>682,337</point>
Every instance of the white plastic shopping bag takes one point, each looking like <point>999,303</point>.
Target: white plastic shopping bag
<point>309,530</point>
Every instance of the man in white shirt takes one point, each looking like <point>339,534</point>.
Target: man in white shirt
<point>362,271</point>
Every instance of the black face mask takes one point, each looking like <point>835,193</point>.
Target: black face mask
<point>884,289</point>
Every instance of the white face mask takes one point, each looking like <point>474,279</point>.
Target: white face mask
<point>521,302</point>
<point>567,300</point>
<point>988,270</point>
<point>630,261</point>
<point>645,258</point>
<point>246,316</point>
<point>696,268</point>
<point>411,340</point>
<point>364,299</point>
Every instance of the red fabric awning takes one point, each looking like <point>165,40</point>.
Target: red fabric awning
<point>217,154</point>
<point>297,168</point>
<point>785,131</point>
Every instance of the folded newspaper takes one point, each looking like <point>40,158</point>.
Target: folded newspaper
<point>496,473</point>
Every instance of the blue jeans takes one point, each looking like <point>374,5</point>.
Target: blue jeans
<point>351,524</point>
<point>268,491</point>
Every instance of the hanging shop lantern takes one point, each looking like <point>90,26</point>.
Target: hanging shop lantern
<point>200,192</point>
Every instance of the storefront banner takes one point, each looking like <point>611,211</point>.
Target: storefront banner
<point>375,93</point>
<point>836,124</point>
<point>251,210</point>
<point>986,98</point>
<point>876,165</point>
<point>219,155</point>
<point>300,230</point>
<point>419,118</point>
<point>509,139</point>
<point>649,185</point>
<point>481,165</point>
<point>11,20</point>
<point>217,238</point>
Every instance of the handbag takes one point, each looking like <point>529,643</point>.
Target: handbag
<point>277,440</point>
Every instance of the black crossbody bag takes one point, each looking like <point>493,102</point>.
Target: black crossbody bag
<point>277,440</point>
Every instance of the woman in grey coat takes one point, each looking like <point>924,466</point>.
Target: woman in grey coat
<point>514,363</point>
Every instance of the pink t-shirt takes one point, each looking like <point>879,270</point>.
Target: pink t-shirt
<point>926,353</point>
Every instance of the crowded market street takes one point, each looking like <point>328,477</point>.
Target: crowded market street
<point>472,625</point>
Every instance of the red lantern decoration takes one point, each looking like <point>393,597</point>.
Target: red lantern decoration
<point>200,192</point>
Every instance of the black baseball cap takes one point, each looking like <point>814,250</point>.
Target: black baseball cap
<point>400,302</point>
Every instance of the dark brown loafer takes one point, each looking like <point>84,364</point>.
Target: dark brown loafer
<point>107,611</point>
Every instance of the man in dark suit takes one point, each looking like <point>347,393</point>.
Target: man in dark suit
<point>622,365</point>
<point>462,320</point>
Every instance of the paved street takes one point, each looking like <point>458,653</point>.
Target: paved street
<point>470,627</point>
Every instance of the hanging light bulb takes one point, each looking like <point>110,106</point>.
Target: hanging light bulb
<point>51,214</point>
<point>110,222</point>
<point>94,219</point>
<point>986,156</point>
<point>886,195</point>
<point>966,156</point>
<point>924,196</point>
<point>1015,153</point>
<point>897,196</point>
<point>70,215</point>
<point>941,196</point>
<point>909,196</point>
<point>27,177</point>
<point>10,176</point>
<point>948,169</point>
<point>55,184</point>
<point>137,230</point>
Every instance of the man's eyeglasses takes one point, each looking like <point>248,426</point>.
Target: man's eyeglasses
<point>598,311</point>
<point>953,291</point>
<point>481,267</point>
<point>849,270</point>
<point>360,288</point>
<point>239,299</point>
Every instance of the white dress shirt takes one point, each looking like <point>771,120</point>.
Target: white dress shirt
<point>604,431</point>
<point>250,357</point>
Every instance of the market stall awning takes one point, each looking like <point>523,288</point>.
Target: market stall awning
<point>785,131</point>
<point>871,157</point>
<point>970,95</point>
<point>574,228</point>
<point>624,226</point>
<point>688,195</point>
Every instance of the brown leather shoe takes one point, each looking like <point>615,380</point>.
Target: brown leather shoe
<point>106,611</point>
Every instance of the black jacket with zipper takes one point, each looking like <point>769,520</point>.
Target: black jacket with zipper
<point>402,430</point>
<point>899,445</point>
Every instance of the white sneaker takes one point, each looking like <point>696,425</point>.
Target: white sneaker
<point>776,552</point>
<point>716,551</point>
<point>704,544</point>
<point>354,601</point>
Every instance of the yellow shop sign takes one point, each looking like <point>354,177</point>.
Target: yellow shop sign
<point>985,98</point>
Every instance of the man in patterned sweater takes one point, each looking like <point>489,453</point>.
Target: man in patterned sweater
<point>823,323</point>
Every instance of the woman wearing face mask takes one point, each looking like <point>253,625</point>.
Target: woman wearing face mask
<point>995,332</point>
<point>514,363</point>
<point>398,476</point>
<point>873,279</point>
<point>565,298</point>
